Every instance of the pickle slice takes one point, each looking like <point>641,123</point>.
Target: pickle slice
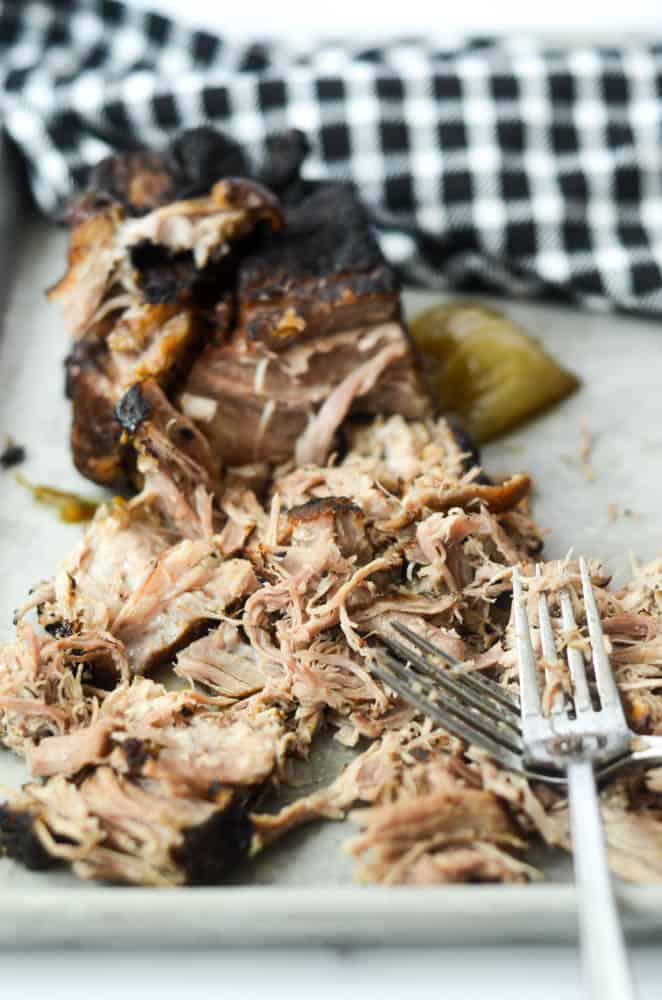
<point>486,369</point>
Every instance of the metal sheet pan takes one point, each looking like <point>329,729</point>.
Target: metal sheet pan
<point>302,891</point>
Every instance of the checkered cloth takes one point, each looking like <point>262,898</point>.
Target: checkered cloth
<point>499,164</point>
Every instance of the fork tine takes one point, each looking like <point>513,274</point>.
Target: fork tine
<point>474,679</point>
<point>475,719</point>
<point>609,696</point>
<point>458,721</point>
<point>528,680</point>
<point>581,693</point>
<point>548,645</point>
<point>469,688</point>
<point>440,678</point>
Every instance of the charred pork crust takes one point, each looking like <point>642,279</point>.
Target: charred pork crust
<point>162,276</point>
<point>199,156</point>
<point>209,851</point>
<point>281,170</point>
<point>324,268</point>
<point>466,444</point>
<point>136,753</point>
<point>142,180</point>
<point>317,333</point>
<point>59,630</point>
<point>96,444</point>
<point>19,841</point>
<point>344,518</point>
<point>216,847</point>
<point>100,450</point>
<point>165,261</point>
<point>132,409</point>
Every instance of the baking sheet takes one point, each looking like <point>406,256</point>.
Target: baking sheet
<point>301,890</point>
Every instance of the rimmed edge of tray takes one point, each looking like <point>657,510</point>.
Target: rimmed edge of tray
<point>344,917</point>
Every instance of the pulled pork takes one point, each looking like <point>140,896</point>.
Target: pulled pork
<point>268,606</point>
<point>239,359</point>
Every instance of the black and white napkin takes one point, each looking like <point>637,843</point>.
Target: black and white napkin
<point>497,164</point>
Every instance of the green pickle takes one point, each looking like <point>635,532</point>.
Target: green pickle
<point>486,369</point>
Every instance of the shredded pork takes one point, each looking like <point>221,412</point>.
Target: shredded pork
<point>269,614</point>
<point>221,329</point>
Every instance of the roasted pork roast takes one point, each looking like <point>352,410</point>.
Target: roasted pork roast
<point>266,316</point>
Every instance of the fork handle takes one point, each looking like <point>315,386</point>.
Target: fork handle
<point>604,955</point>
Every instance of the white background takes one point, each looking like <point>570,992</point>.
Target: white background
<point>301,18</point>
<point>505,973</point>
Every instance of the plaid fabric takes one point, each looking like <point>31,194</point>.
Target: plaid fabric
<point>498,164</point>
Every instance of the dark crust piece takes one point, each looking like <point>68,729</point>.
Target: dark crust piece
<point>320,507</point>
<point>216,847</point>
<point>328,232</point>
<point>96,436</point>
<point>132,409</point>
<point>209,852</point>
<point>467,444</point>
<point>59,629</point>
<point>197,158</point>
<point>142,180</point>
<point>285,155</point>
<point>163,276</point>
<point>19,841</point>
<point>98,443</point>
<point>325,268</point>
<point>13,454</point>
<point>136,753</point>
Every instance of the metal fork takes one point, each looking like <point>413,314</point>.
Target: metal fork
<point>560,749</point>
<point>561,742</point>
